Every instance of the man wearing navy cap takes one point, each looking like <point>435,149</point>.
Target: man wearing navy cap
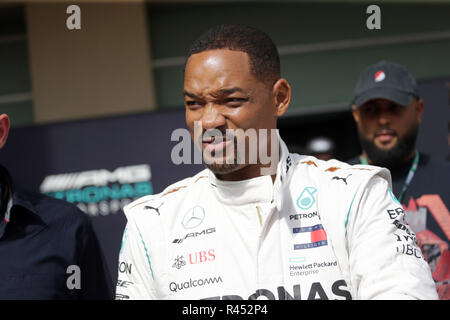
<point>388,110</point>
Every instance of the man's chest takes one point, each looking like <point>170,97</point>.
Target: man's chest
<point>253,252</point>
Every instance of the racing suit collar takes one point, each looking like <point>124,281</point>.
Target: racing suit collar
<point>259,189</point>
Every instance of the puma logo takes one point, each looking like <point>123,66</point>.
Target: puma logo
<point>153,208</point>
<point>340,178</point>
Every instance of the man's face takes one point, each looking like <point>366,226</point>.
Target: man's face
<point>388,131</point>
<point>221,93</point>
<point>4,129</point>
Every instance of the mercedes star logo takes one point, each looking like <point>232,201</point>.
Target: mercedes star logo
<point>193,217</point>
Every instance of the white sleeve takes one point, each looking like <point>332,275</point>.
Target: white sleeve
<point>385,261</point>
<point>135,274</point>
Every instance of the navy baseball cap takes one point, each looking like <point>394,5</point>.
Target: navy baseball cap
<point>386,80</point>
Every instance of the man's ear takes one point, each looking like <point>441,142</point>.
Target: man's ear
<point>282,95</point>
<point>419,109</point>
<point>355,113</point>
<point>4,129</point>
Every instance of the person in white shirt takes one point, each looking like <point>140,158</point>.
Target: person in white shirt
<point>292,228</point>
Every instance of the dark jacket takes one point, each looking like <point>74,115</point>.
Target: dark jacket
<point>48,249</point>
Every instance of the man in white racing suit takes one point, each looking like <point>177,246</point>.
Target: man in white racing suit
<point>310,229</point>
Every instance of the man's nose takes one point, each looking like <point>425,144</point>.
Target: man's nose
<point>212,117</point>
<point>384,116</point>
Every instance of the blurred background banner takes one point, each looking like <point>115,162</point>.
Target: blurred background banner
<point>99,165</point>
<point>93,109</point>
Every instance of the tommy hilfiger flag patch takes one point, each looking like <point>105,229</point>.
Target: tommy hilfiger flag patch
<point>310,237</point>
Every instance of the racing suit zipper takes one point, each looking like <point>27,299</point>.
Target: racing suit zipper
<point>258,211</point>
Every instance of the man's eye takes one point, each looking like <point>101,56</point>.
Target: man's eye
<point>235,100</point>
<point>395,108</point>
<point>193,104</point>
<point>370,109</point>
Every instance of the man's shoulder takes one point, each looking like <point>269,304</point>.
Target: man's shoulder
<point>432,172</point>
<point>432,177</point>
<point>354,160</point>
<point>173,193</point>
<point>333,167</point>
<point>52,210</point>
<point>337,178</point>
<point>431,162</point>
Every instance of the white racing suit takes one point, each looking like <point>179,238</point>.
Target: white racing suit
<point>321,230</point>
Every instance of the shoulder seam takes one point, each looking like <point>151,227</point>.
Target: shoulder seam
<point>180,187</point>
<point>161,195</point>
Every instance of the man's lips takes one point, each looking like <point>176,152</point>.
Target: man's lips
<point>214,144</point>
<point>385,136</point>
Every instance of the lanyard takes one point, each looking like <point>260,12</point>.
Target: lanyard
<point>410,176</point>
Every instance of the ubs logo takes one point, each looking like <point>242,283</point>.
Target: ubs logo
<point>202,256</point>
<point>179,262</point>
<point>193,218</point>
<point>195,258</point>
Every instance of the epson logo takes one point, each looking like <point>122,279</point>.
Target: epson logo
<point>125,267</point>
<point>300,216</point>
<point>101,177</point>
<point>195,234</point>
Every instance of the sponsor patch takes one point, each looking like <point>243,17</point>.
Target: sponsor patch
<point>310,237</point>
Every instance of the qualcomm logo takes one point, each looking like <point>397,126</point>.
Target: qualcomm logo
<point>306,198</point>
<point>193,218</point>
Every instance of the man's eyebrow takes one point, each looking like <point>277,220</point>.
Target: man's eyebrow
<point>218,93</point>
<point>228,91</point>
<point>191,95</point>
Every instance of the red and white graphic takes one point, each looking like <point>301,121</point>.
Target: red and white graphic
<point>434,249</point>
<point>202,256</point>
<point>379,76</point>
<point>310,237</point>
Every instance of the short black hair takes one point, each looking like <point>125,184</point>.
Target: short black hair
<point>262,52</point>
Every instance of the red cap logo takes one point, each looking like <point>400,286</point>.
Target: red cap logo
<point>379,76</point>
